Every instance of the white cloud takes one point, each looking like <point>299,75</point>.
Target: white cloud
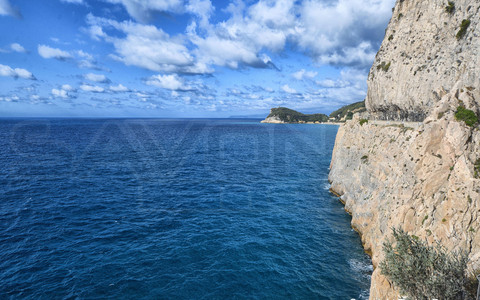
<point>17,47</point>
<point>170,82</point>
<point>87,64</point>
<point>142,95</point>
<point>6,9</point>
<point>146,46</point>
<point>15,73</point>
<point>348,78</point>
<point>242,38</point>
<point>49,52</point>
<point>288,89</point>
<point>60,93</point>
<point>73,1</point>
<point>12,98</point>
<point>225,52</point>
<point>202,9</point>
<point>328,83</point>
<point>273,14</point>
<point>238,41</point>
<point>85,55</point>
<point>267,89</point>
<point>67,87</point>
<point>91,88</point>
<point>362,54</point>
<point>351,86</point>
<point>142,10</point>
<point>84,59</point>
<point>63,92</point>
<point>304,74</point>
<point>119,88</point>
<point>96,31</point>
<point>96,77</point>
<point>343,33</point>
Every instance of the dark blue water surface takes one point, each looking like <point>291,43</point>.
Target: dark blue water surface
<point>176,209</point>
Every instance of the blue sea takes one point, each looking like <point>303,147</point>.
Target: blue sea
<point>173,209</point>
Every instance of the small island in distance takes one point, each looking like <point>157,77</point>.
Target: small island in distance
<point>280,115</point>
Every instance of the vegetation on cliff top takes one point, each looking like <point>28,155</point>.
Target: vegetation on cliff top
<point>468,116</point>
<point>346,112</point>
<point>342,114</point>
<point>292,116</point>
<point>425,272</point>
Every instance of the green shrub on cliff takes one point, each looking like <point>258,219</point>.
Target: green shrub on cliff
<point>450,7</point>
<point>466,115</point>
<point>463,28</point>
<point>384,66</point>
<point>476,168</point>
<point>424,272</point>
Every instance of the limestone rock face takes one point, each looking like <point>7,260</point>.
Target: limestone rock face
<point>419,176</point>
<point>421,59</point>
<point>274,119</point>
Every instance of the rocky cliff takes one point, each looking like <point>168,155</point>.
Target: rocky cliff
<point>424,176</point>
<point>273,119</point>
<point>423,56</point>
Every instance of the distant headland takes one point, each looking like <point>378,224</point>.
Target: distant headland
<point>281,115</point>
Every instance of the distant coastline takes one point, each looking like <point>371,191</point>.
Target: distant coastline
<point>283,115</point>
<point>307,123</point>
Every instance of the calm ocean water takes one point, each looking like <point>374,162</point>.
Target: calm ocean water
<point>173,209</point>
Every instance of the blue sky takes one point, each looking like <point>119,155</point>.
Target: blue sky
<point>185,58</point>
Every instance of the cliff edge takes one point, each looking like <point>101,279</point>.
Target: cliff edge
<point>416,163</point>
<point>424,54</point>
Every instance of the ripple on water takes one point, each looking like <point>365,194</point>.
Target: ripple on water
<point>173,209</point>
